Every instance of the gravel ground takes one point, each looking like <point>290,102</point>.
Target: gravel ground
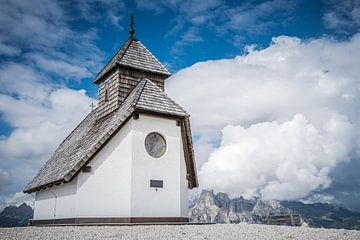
<point>216,231</point>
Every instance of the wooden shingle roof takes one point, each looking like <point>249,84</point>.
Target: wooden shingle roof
<point>134,54</point>
<point>91,134</point>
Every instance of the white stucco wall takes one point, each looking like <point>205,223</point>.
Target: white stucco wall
<point>166,201</point>
<point>183,185</point>
<point>47,206</point>
<point>119,182</point>
<point>104,192</point>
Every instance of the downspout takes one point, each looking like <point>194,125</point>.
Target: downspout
<point>54,205</point>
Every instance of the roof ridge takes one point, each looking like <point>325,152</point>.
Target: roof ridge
<point>141,91</point>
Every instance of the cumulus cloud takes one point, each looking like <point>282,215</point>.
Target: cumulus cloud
<point>41,114</point>
<point>293,110</point>
<point>277,161</point>
<point>33,136</point>
<point>59,66</point>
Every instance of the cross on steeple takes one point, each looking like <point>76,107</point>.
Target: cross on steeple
<point>92,105</point>
<point>131,29</point>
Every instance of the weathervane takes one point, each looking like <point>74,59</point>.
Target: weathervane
<point>131,29</point>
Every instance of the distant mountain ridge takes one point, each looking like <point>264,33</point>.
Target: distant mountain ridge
<point>219,208</point>
<point>13,216</point>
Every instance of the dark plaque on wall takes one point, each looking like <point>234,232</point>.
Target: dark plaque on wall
<point>156,183</point>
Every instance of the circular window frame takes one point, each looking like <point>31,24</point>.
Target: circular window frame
<point>166,146</point>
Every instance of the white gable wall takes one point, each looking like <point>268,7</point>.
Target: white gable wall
<point>119,182</point>
<point>167,201</point>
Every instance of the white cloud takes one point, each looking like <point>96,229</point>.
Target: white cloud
<point>57,115</point>
<point>190,36</point>
<point>221,17</point>
<point>44,23</point>
<point>4,178</point>
<point>323,198</point>
<point>16,199</point>
<point>43,33</point>
<point>61,67</point>
<point>111,11</point>
<point>250,18</point>
<point>8,50</point>
<point>39,129</point>
<point>192,8</point>
<point>22,80</point>
<point>41,113</point>
<point>295,102</point>
<point>277,161</point>
<point>343,16</point>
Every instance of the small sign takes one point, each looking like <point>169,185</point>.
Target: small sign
<point>156,183</point>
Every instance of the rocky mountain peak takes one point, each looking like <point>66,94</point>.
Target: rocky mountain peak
<point>220,208</point>
<point>13,216</point>
<point>222,200</point>
<point>205,209</point>
<point>207,198</point>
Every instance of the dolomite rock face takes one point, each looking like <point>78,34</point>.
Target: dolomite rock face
<point>205,209</point>
<point>264,208</point>
<point>219,208</point>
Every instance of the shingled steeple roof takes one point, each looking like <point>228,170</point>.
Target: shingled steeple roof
<point>134,54</point>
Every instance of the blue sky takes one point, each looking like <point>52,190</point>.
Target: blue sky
<point>51,50</point>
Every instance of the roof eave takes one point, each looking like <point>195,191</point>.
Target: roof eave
<point>167,73</point>
<point>101,75</point>
<point>161,114</point>
<point>38,188</point>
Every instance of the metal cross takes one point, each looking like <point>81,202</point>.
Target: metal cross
<point>131,29</point>
<point>92,105</point>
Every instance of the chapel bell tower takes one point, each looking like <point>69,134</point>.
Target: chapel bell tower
<point>123,72</point>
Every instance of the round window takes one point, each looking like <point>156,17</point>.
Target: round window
<point>155,144</point>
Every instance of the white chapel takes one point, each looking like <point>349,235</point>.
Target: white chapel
<point>131,160</point>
